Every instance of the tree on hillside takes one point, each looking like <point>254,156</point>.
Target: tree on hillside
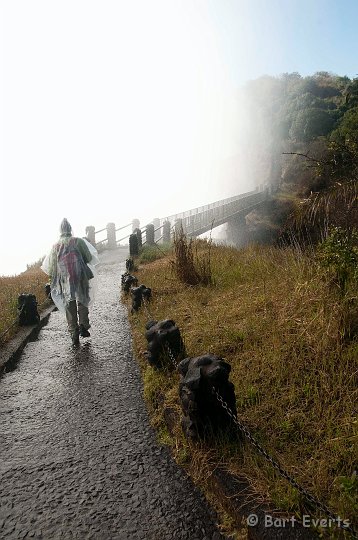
<point>347,130</point>
<point>311,123</point>
<point>336,203</point>
<point>316,117</point>
<point>351,93</point>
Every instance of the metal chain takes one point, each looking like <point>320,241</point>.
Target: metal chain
<point>171,355</point>
<point>308,496</point>
<point>145,305</point>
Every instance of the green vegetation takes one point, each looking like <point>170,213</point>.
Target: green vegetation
<point>304,132</point>
<point>274,315</point>
<point>339,253</point>
<point>152,253</point>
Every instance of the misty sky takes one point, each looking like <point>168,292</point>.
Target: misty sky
<point>116,109</point>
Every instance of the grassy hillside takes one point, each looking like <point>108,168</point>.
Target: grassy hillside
<point>281,322</point>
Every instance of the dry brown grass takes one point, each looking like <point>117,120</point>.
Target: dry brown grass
<point>191,262</point>
<point>32,281</point>
<point>274,316</point>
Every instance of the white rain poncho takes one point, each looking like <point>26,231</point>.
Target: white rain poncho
<point>70,275</point>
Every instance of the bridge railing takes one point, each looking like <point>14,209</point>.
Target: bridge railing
<point>218,213</point>
<point>194,222</point>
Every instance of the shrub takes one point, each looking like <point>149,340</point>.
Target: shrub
<point>339,253</point>
<point>189,268</point>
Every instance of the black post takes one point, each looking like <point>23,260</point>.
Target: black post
<point>133,245</point>
<point>138,233</point>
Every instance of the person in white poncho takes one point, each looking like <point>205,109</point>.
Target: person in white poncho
<point>71,267</point>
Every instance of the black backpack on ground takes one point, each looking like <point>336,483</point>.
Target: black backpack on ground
<point>27,309</point>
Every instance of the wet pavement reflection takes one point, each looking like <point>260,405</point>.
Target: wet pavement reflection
<point>78,458</point>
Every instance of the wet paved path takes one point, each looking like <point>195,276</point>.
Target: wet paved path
<point>78,458</point>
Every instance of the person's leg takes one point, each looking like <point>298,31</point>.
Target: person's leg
<point>83,320</point>
<point>71,316</point>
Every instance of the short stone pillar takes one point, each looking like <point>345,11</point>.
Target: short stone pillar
<point>138,233</point>
<point>133,245</point>
<point>166,232</point>
<point>165,344</point>
<point>203,414</point>
<point>128,281</point>
<point>149,234</point>
<point>91,234</point>
<point>111,236</point>
<point>27,310</point>
<point>135,224</point>
<point>139,295</point>
<point>157,233</point>
<point>130,264</point>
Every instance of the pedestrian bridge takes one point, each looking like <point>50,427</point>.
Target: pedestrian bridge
<point>194,222</point>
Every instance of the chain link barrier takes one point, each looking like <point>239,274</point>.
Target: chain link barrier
<point>146,308</point>
<point>308,496</point>
<point>171,355</point>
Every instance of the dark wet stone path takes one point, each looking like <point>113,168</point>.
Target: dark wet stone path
<point>78,458</point>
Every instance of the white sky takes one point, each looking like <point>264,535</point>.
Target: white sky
<point>116,109</point>
<point>112,110</point>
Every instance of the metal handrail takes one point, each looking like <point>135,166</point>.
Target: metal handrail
<point>124,227</point>
<point>216,209</point>
<point>201,209</point>
<point>224,217</point>
<point>124,237</point>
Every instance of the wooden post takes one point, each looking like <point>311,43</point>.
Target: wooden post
<point>91,235</point>
<point>166,232</point>
<point>111,236</point>
<point>149,235</point>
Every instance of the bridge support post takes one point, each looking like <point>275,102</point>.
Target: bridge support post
<point>236,231</point>
<point>91,234</point>
<point>111,236</point>
<point>135,224</point>
<point>156,223</point>
<point>149,234</point>
<point>166,232</point>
